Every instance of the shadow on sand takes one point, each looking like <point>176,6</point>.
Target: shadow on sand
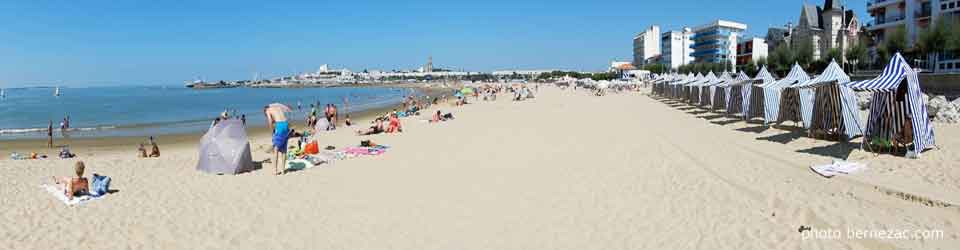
<point>726,122</point>
<point>840,150</point>
<point>755,129</point>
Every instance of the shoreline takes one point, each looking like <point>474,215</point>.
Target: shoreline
<point>78,145</point>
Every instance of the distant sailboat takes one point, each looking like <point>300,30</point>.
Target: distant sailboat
<point>3,94</point>
<point>56,92</point>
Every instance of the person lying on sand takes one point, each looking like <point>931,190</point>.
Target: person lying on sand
<point>376,128</point>
<point>74,186</point>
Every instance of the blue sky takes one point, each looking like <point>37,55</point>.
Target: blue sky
<point>99,42</point>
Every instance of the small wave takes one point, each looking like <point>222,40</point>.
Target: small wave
<point>41,130</point>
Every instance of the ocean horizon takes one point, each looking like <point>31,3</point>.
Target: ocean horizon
<point>109,111</point>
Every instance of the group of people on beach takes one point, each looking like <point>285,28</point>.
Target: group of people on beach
<point>64,127</point>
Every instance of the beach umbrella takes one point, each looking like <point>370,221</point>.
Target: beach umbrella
<point>466,91</point>
<point>281,107</point>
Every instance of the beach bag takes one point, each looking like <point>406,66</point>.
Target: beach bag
<point>101,184</point>
<point>311,148</point>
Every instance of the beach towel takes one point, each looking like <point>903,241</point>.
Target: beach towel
<point>376,150</point>
<point>837,167</point>
<point>57,192</point>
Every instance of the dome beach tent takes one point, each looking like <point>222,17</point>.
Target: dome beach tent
<point>773,91</point>
<point>834,110</point>
<point>734,92</point>
<point>753,106</point>
<point>224,149</point>
<point>897,111</point>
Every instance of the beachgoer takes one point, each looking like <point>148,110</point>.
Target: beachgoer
<point>50,134</point>
<point>436,117</point>
<point>154,149</point>
<point>277,122</point>
<point>394,126</point>
<point>347,121</point>
<point>298,106</point>
<point>243,119</point>
<point>333,116</point>
<point>141,151</point>
<point>376,128</point>
<point>74,186</point>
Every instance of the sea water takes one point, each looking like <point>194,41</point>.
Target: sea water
<point>155,110</point>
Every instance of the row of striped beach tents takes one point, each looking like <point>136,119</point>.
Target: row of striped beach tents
<point>825,106</point>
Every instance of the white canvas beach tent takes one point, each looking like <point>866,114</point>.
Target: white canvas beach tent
<point>753,94</point>
<point>718,91</point>
<point>695,87</point>
<point>833,76</point>
<point>773,90</point>
<point>887,114</point>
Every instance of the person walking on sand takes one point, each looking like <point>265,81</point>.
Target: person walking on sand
<point>50,134</point>
<point>277,122</point>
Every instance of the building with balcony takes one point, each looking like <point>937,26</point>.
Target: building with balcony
<point>716,42</point>
<point>646,46</point>
<point>752,49</point>
<point>915,16</point>
<point>831,26</point>
<point>675,48</point>
<point>779,35</point>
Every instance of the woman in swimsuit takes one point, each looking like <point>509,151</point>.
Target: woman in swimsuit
<point>74,186</point>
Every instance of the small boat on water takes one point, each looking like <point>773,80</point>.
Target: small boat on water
<point>56,92</point>
<point>3,94</point>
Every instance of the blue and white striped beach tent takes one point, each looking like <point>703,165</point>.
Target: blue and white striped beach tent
<point>763,77</point>
<point>734,93</point>
<point>695,87</point>
<point>773,90</point>
<point>833,75</point>
<point>718,86</point>
<point>885,88</point>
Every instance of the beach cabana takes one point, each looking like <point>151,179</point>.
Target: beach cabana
<point>705,93</point>
<point>753,106</point>
<point>834,106</point>
<point>696,87</point>
<point>718,93</point>
<point>734,92</point>
<point>898,113</point>
<point>776,93</point>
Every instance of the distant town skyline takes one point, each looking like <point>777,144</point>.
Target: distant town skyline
<point>152,43</point>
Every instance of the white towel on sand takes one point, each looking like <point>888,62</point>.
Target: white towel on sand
<point>57,192</point>
<point>837,167</point>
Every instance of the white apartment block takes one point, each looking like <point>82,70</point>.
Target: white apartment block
<point>915,16</point>
<point>676,48</point>
<point>646,46</point>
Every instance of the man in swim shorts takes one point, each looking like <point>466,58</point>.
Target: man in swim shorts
<point>277,122</point>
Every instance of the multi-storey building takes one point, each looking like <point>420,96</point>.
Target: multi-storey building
<point>716,42</point>
<point>646,46</point>
<point>752,49</point>
<point>914,16</point>
<point>675,48</point>
<point>829,27</point>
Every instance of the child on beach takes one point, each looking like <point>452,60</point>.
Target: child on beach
<point>346,121</point>
<point>76,185</point>
<point>154,149</point>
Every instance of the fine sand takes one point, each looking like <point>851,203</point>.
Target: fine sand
<point>564,171</point>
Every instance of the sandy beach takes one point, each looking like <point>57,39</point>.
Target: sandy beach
<point>566,170</point>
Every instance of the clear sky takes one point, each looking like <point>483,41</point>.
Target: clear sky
<point>100,42</point>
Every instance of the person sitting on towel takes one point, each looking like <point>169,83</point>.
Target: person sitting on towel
<point>394,126</point>
<point>74,186</point>
<point>141,151</point>
<point>437,117</point>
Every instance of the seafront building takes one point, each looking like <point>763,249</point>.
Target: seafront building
<point>675,48</point>
<point>753,49</point>
<point>779,35</point>
<point>914,16</point>
<point>831,26</point>
<point>716,42</point>
<point>646,46</point>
